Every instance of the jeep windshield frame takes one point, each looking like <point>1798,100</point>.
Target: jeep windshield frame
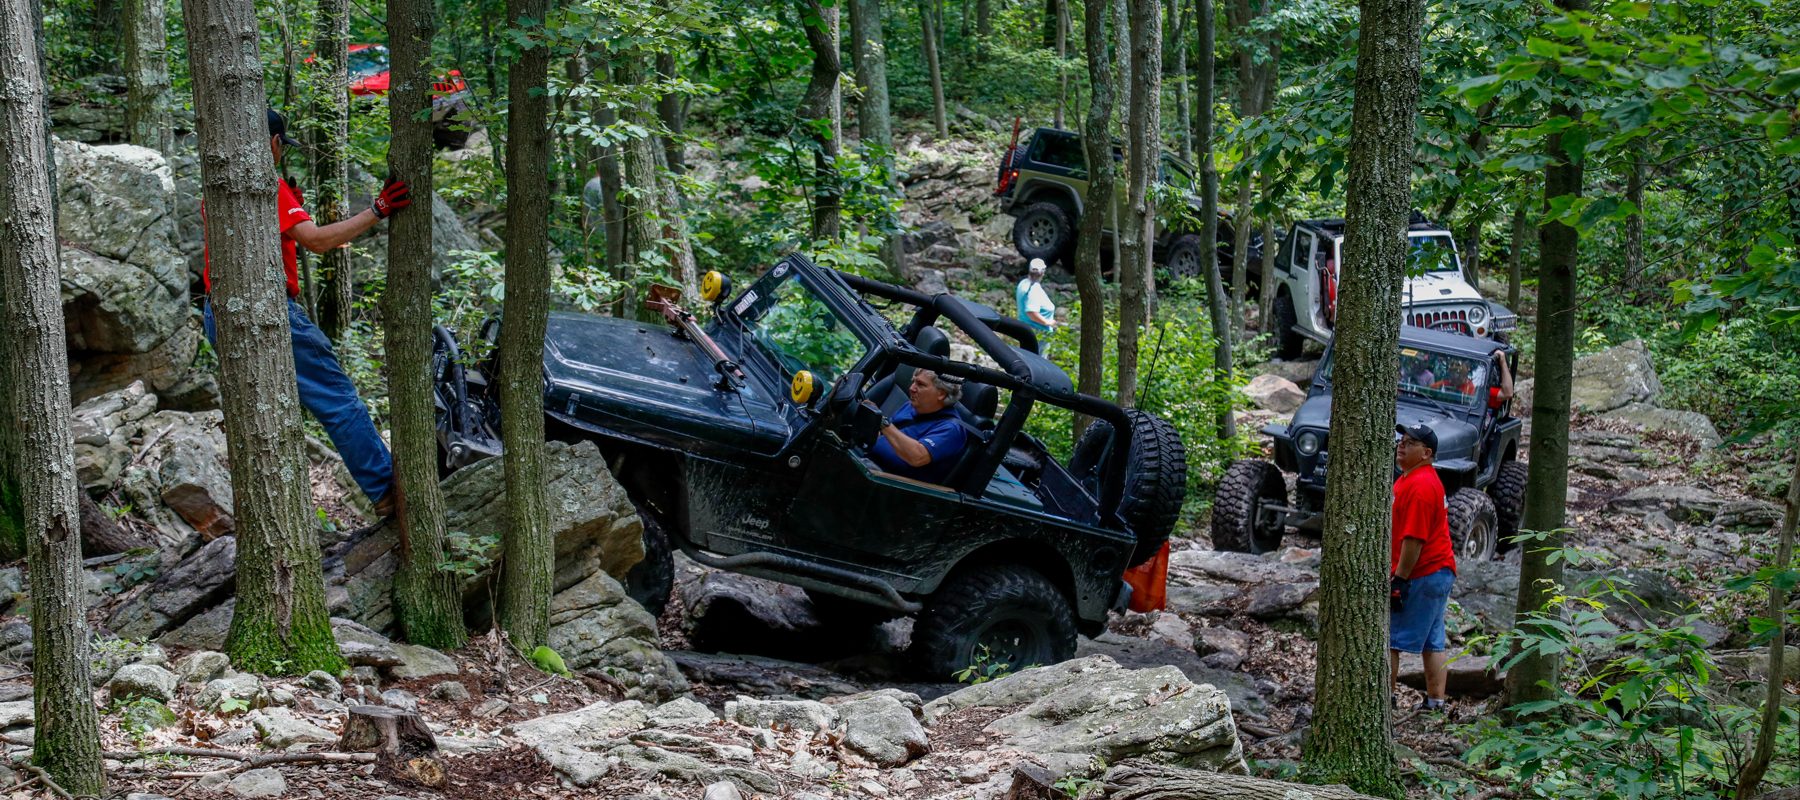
<point>1425,349</point>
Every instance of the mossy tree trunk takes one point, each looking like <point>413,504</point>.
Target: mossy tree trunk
<point>530,559</point>
<point>280,626</point>
<point>1143,153</point>
<point>1218,306</point>
<point>930,41</point>
<point>1351,741</point>
<point>41,450</point>
<point>1515,255</point>
<point>1547,486</point>
<point>1096,141</point>
<point>330,131</point>
<point>148,122</point>
<point>817,115</point>
<point>671,109</point>
<point>1750,777</point>
<point>874,117</point>
<point>427,600</point>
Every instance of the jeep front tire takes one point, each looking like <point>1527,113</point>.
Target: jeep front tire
<point>1508,491</point>
<point>1042,230</point>
<point>1474,527</point>
<point>1008,614</point>
<point>1248,487</point>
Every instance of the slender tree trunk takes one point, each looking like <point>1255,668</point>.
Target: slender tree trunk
<point>984,26</point>
<point>1634,224</point>
<point>530,559</point>
<point>1515,257</point>
<point>874,119</point>
<point>1240,251</point>
<point>147,99</point>
<point>1351,741</point>
<point>1540,577</point>
<point>331,167</point>
<point>66,741</point>
<point>1179,20</point>
<point>1209,206</point>
<point>674,231</point>
<point>817,119</point>
<point>1750,777</point>
<point>673,112</point>
<point>938,118</point>
<point>427,600</point>
<point>1062,53</point>
<point>1121,54</point>
<point>1096,143</point>
<point>1142,158</point>
<point>1471,245</point>
<point>612,212</point>
<point>280,625</point>
<point>1266,290</point>
<point>1051,14</point>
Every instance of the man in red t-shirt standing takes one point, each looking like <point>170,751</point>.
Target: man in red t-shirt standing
<point>1424,562</point>
<point>325,390</point>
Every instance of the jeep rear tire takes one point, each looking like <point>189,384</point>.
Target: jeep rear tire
<point>1288,340</point>
<point>1008,614</point>
<point>1043,231</point>
<point>1184,257</point>
<point>1248,487</point>
<point>1155,477</point>
<point>1508,491</point>
<point>1474,527</point>
<point>651,580</point>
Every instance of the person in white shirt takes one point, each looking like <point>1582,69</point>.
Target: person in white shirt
<point>1033,300</point>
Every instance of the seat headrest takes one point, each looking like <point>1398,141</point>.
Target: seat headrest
<point>981,399</point>
<point>933,341</point>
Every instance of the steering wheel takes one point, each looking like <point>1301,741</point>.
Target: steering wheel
<point>857,423</point>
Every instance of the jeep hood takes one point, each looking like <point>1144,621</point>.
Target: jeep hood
<point>1439,287</point>
<point>1456,438</point>
<point>638,380</point>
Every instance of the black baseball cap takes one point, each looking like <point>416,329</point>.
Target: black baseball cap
<point>278,127</point>
<point>1422,434</point>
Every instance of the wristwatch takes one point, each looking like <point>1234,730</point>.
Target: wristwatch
<point>886,422</point>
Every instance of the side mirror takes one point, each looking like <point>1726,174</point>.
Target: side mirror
<point>1494,402</point>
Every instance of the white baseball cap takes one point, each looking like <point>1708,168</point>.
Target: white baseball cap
<point>1037,265</point>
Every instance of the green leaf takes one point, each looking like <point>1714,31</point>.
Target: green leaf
<point>1544,48</point>
<point>547,660</point>
<point>1482,89</point>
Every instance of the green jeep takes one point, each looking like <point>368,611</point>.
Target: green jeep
<point>1043,186</point>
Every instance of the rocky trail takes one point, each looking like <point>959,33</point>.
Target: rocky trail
<point>740,690</point>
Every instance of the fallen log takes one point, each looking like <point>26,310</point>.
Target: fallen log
<point>1142,780</point>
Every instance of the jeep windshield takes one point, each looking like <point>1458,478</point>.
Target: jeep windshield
<point>1439,378</point>
<point>796,327</point>
<point>1431,253</point>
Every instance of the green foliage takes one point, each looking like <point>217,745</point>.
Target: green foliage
<point>468,555</point>
<point>232,705</point>
<point>548,661</point>
<point>1077,787</point>
<point>133,571</point>
<point>986,668</point>
<point>143,716</point>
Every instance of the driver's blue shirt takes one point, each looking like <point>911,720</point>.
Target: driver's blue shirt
<point>941,434</point>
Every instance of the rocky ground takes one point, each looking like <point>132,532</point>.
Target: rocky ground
<point>740,690</point>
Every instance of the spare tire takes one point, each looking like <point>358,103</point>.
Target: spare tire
<point>1155,477</point>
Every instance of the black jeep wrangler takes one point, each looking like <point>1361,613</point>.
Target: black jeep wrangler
<point>1448,382</point>
<point>745,444</point>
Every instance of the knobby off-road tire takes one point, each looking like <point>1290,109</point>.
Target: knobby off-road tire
<point>1155,477</point>
<point>1015,613</point>
<point>651,580</point>
<point>1508,491</point>
<point>1288,340</point>
<point>1043,230</point>
<point>1184,257</point>
<point>1474,527</point>
<point>1247,486</point>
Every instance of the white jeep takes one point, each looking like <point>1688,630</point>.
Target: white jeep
<point>1436,295</point>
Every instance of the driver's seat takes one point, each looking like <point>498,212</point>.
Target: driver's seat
<point>890,392</point>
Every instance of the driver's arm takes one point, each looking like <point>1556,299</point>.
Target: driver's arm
<point>320,238</point>
<point>908,448</point>
<point>1506,379</point>
<point>1410,548</point>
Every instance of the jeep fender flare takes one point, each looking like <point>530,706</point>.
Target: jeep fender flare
<point>1038,191</point>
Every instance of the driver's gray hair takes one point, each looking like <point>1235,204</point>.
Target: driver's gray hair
<point>950,385</point>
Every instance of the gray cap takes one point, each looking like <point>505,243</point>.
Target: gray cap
<point>1037,266</point>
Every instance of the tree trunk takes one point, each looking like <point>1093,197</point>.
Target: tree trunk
<point>1266,290</point>
<point>1209,207</point>
<point>1052,13</point>
<point>1750,777</point>
<point>148,122</point>
<point>1096,143</point>
<point>1062,53</point>
<point>1144,153</point>
<point>938,118</point>
<point>1351,741</point>
<point>1240,252</point>
<point>1121,54</point>
<point>1471,245</point>
<point>1177,46</point>
<point>673,112</point>
<point>1515,257</point>
<point>330,167</point>
<point>612,212</point>
<point>674,232</point>
<point>1634,224</point>
<point>426,600</point>
<point>281,625</point>
<point>874,119</point>
<point>1534,677</point>
<point>817,118</point>
<point>530,560</point>
<point>66,742</point>
<point>984,26</point>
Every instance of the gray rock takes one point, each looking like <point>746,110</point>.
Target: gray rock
<point>401,699</point>
<point>595,625</point>
<point>147,715</point>
<point>16,713</point>
<point>1076,711</point>
<point>1466,676</point>
<point>1614,378</point>
<point>242,686</point>
<point>599,721</point>
<point>1652,418</point>
<point>199,582</point>
<point>1751,516</point>
<point>930,281</point>
<point>1246,695</point>
<point>452,691</point>
<point>12,585</point>
<point>103,428</point>
<point>1684,503</point>
<point>1754,663</point>
<point>195,482</point>
<point>363,647</point>
<point>1171,628</point>
<point>881,728</point>
<point>322,682</point>
<point>763,676</point>
<point>490,707</point>
<point>680,713</point>
<point>807,716</point>
<point>207,631</point>
<point>1299,373</point>
<point>1275,600</point>
<point>1191,567</point>
<point>469,745</point>
<point>722,790</point>
<point>280,728</point>
<point>15,642</point>
<point>113,306</point>
<point>687,768</point>
<point>421,662</point>
<point>1210,598</point>
<point>142,680</point>
<point>146,796</point>
<point>1274,393</point>
<point>265,782</point>
<point>1223,648</point>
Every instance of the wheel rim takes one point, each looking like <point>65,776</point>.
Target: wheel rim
<point>1263,537</point>
<point>1041,233</point>
<point>1012,640</point>
<point>1185,263</point>
<point>1477,544</point>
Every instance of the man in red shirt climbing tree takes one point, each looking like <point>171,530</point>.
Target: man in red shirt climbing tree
<point>325,390</point>
<point>1424,561</point>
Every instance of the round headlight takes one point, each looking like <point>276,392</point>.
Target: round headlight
<point>1477,313</point>
<point>1307,443</point>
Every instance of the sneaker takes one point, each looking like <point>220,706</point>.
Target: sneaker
<point>1434,704</point>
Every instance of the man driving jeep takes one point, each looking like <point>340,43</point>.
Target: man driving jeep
<point>923,440</point>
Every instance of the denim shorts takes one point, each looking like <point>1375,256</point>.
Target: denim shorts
<point>1419,624</point>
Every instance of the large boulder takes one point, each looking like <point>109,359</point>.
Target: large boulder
<point>596,529</point>
<point>195,482</point>
<point>104,428</point>
<point>1652,418</point>
<point>595,625</point>
<point>1071,714</point>
<point>1614,378</point>
<point>199,582</point>
<point>1274,393</point>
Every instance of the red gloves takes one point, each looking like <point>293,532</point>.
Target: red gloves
<point>394,196</point>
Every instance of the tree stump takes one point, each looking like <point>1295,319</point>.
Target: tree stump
<point>398,738</point>
<point>1032,782</point>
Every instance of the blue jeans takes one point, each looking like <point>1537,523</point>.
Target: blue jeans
<point>328,393</point>
<point>1419,625</point>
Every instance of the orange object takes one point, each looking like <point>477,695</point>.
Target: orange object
<point>1150,582</point>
